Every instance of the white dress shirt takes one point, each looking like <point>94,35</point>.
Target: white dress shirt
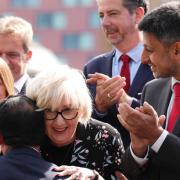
<point>135,55</point>
<point>20,83</point>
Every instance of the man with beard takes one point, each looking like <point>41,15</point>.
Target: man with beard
<point>160,136</point>
<point>119,20</point>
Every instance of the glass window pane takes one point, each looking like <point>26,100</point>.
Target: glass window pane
<point>93,19</point>
<point>25,3</point>
<point>43,20</point>
<point>59,20</point>
<point>86,2</point>
<point>55,20</point>
<point>86,41</point>
<point>82,41</point>
<point>70,3</point>
<point>70,41</point>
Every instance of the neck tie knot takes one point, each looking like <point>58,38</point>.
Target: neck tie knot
<point>176,88</point>
<point>125,58</point>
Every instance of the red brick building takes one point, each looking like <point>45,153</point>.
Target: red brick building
<point>70,28</point>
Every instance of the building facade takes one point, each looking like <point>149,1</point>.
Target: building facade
<point>70,28</point>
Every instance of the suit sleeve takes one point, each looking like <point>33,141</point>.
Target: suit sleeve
<point>168,155</point>
<point>129,167</point>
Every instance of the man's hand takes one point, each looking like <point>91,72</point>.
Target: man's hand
<point>93,78</point>
<point>143,122</point>
<point>108,90</point>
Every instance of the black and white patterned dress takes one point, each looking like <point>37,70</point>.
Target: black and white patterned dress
<point>97,146</point>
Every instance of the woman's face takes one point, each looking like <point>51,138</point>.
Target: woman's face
<point>3,92</point>
<point>60,131</point>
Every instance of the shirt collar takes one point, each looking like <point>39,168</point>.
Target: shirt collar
<point>134,54</point>
<point>174,81</point>
<point>20,82</point>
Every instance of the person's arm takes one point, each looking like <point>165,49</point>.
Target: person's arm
<point>145,128</point>
<point>168,155</point>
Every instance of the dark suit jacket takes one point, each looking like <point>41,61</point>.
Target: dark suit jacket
<point>163,165</point>
<point>25,164</point>
<point>103,64</point>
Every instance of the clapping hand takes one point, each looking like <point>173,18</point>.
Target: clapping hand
<point>108,90</point>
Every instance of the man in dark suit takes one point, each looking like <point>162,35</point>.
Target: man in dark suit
<point>15,48</point>
<point>119,19</point>
<point>155,141</point>
<point>22,129</point>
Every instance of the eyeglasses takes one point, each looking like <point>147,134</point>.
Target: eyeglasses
<point>66,114</point>
<point>11,55</point>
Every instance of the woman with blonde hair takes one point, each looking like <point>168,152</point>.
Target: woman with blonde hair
<point>73,138</point>
<point>6,85</point>
<point>6,80</point>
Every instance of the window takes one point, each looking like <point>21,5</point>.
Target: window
<point>26,3</point>
<point>52,20</point>
<point>72,3</point>
<point>164,1</point>
<point>86,41</point>
<point>80,41</point>
<point>86,2</point>
<point>93,19</point>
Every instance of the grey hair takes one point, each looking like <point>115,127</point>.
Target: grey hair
<point>50,87</point>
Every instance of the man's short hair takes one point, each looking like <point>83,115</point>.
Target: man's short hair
<point>21,122</point>
<point>17,26</point>
<point>163,22</point>
<point>131,5</point>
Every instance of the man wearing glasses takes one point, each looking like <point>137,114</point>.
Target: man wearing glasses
<point>15,39</point>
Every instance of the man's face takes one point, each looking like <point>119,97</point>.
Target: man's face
<point>11,50</point>
<point>158,56</point>
<point>117,23</point>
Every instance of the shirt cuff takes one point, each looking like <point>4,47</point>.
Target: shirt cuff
<point>157,145</point>
<point>135,103</point>
<point>140,161</point>
<point>99,114</point>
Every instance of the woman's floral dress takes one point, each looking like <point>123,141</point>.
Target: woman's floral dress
<point>97,146</point>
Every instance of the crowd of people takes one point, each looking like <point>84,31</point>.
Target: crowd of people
<point>117,119</point>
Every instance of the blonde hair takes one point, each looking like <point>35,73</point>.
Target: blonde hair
<point>62,83</point>
<point>16,26</point>
<point>6,77</point>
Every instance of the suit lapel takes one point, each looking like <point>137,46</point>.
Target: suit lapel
<point>164,97</point>
<point>142,76</point>
<point>106,63</point>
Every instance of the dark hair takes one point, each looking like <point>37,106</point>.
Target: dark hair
<point>163,22</point>
<point>21,124</point>
<point>131,5</point>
